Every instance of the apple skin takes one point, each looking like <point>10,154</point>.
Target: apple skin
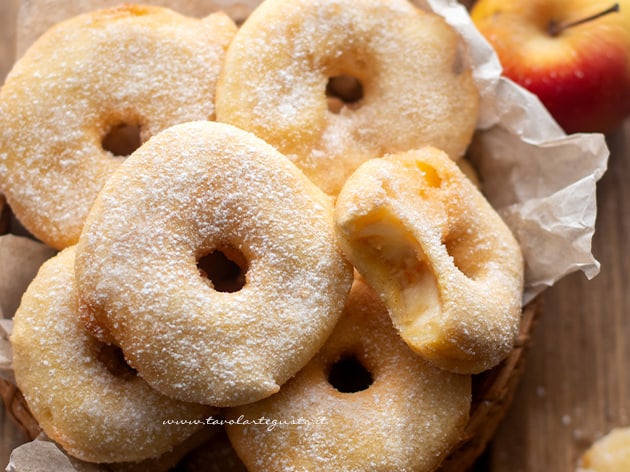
<point>582,74</point>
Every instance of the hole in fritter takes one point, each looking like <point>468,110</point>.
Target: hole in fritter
<point>122,140</point>
<point>463,254</point>
<point>113,358</point>
<point>348,375</point>
<point>343,90</point>
<point>224,268</point>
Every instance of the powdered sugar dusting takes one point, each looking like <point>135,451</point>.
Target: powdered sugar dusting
<point>79,403</point>
<point>191,189</point>
<point>146,66</point>
<point>448,267</point>
<point>280,61</point>
<point>408,419</point>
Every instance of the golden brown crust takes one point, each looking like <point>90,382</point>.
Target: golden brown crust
<point>408,418</point>
<point>448,268</point>
<point>417,87</point>
<point>139,66</point>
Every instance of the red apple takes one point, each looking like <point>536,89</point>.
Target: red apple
<point>573,54</point>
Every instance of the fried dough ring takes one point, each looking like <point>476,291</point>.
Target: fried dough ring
<point>193,189</point>
<point>128,67</point>
<point>70,382</point>
<point>417,87</point>
<point>444,262</point>
<point>408,418</point>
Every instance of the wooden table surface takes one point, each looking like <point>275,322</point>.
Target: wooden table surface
<point>576,385</point>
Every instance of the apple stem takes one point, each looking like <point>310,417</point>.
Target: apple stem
<point>556,28</point>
